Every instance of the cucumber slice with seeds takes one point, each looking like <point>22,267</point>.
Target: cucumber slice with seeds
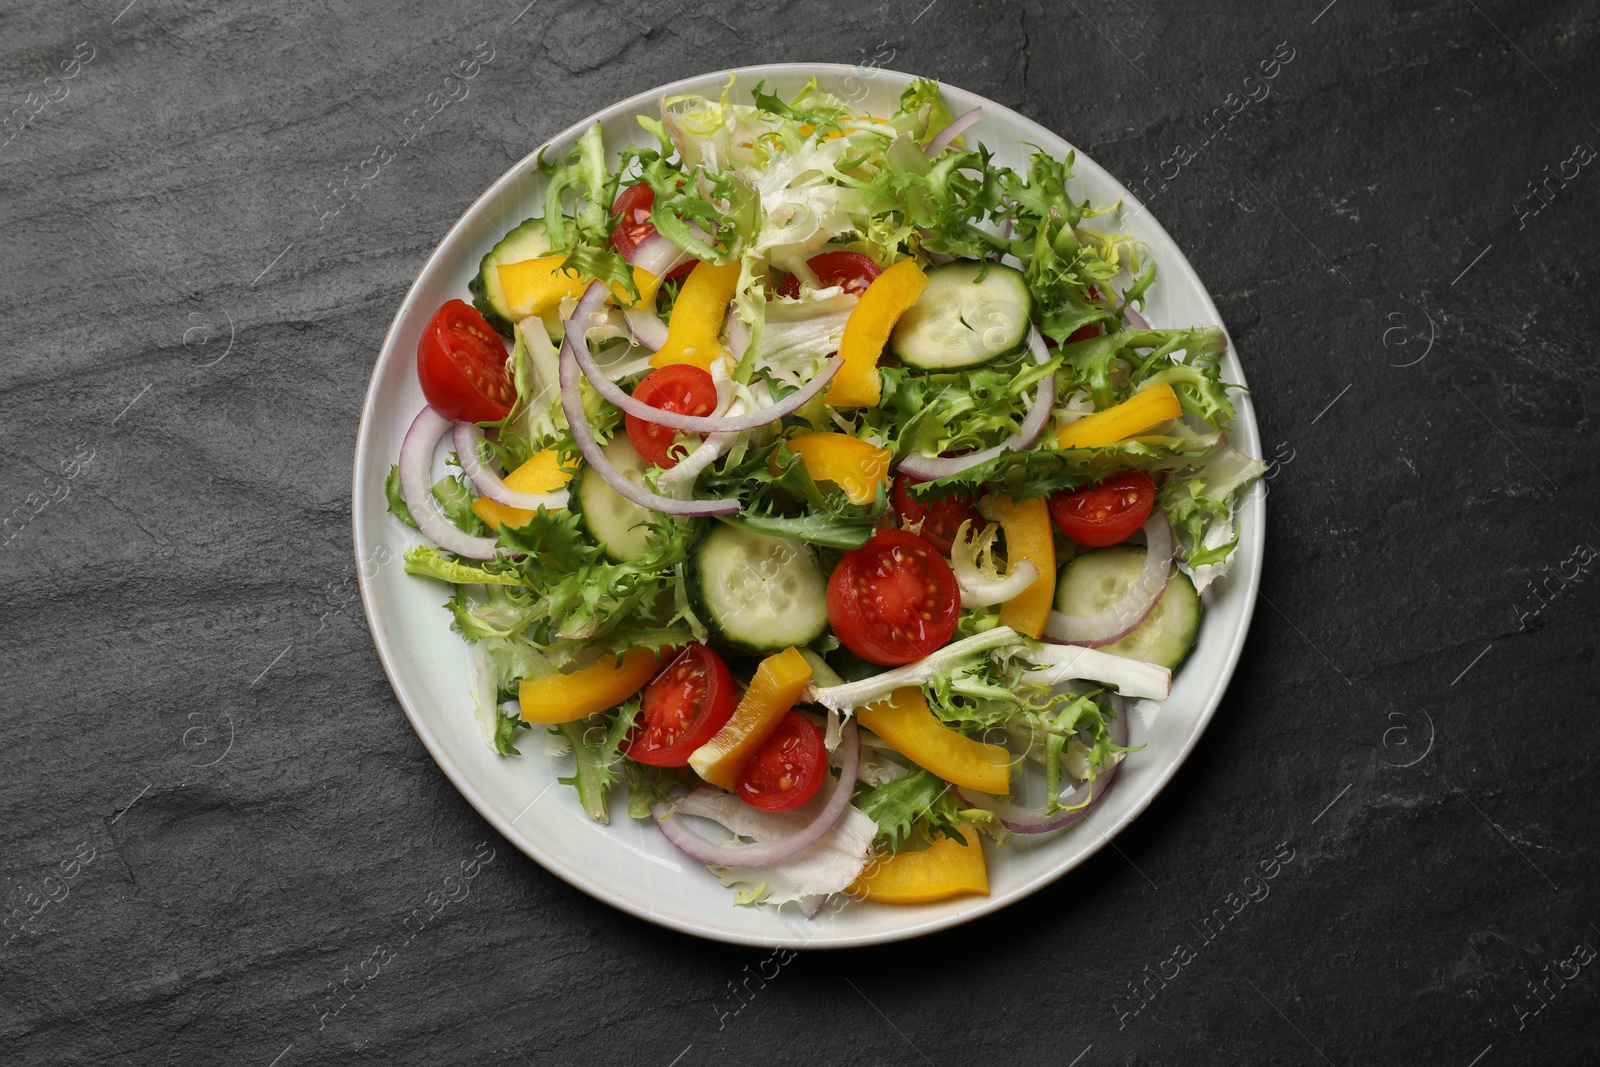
<point>757,592</point>
<point>960,321</point>
<point>1095,580</point>
<point>616,523</point>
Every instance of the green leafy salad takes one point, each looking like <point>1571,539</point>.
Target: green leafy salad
<point>818,489</point>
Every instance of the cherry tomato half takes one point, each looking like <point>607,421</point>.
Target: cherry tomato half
<point>633,205</point>
<point>940,516</point>
<point>681,388</point>
<point>1107,513</point>
<point>788,770</point>
<point>852,270</point>
<point>461,363</point>
<point>683,707</point>
<point>894,599</point>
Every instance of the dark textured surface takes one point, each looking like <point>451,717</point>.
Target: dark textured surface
<point>215,809</point>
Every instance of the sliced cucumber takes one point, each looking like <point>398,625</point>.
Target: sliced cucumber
<point>1095,580</point>
<point>960,321</point>
<point>757,592</point>
<point>527,241</point>
<point>615,522</point>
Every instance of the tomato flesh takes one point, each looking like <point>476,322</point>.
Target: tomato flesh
<point>682,708</point>
<point>1083,333</point>
<point>894,599</point>
<point>940,516</point>
<point>852,270</point>
<point>1106,513</point>
<point>632,211</point>
<point>788,770</point>
<point>461,363</point>
<point>682,389</point>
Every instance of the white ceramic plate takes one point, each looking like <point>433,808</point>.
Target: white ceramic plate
<point>629,864</point>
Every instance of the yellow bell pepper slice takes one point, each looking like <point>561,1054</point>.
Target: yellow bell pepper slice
<point>697,317</point>
<point>866,331</point>
<point>535,286</point>
<point>541,474</point>
<point>558,698</point>
<point>1029,536</point>
<point>848,462</point>
<point>945,868</point>
<point>778,683</point>
<point>907,723</point>
<point>1136,415</point>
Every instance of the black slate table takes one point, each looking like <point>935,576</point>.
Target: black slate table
<point>216,814</point>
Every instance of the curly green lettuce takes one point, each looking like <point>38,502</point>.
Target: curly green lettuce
<point>1200,503</point>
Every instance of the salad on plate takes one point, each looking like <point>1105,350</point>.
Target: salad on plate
<point>816,485</point>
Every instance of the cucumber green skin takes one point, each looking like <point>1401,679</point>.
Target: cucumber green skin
<point>1180,591</point>
<point>1172,627</point>
<point>506,250</point>
<point>907,354</point>
<point>580,485</point>
<point>695,579</point>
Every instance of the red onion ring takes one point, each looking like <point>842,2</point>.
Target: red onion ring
<point>467,438</point>
<point>1020,820</point>
<point>928,468</point>
<point>657,255</point>
<point>583,433</point>
<point>958,125</point>
<point>1136,320</point>
<point>1122,618</point>
<point>614,393</point>
<point>770,853</point>
<point>416,461</point>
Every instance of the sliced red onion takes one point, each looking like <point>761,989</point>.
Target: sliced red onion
<point>770,853</point>
<point>1044,400</point>
<point>928,468</point>
<point>922,468</point>
<point>416,462</point>
<point>1136,320</point>
<point>583,433</point>
<point>646,327</point>
<point>614,393</point>
<point>657,255</point>
<point>1020,820</point>
<point>467,438</point>
<point>957,127</point>
<point>1123,617</point>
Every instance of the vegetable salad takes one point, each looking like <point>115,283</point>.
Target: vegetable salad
<point>817,483</point>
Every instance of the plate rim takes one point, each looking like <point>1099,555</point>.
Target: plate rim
<point>573,876</point>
